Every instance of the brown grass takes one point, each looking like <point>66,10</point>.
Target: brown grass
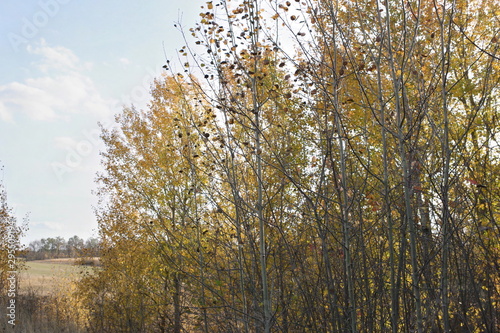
<point>46,277</point>
<point>45,301</point>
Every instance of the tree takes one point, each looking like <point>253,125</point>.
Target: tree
<point>10,234</point>
<point>75,246</point>
<point>346,185</point>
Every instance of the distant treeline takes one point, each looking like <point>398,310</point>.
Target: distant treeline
<point>58,247</point>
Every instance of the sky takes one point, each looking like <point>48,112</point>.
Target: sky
<point>66,66</point>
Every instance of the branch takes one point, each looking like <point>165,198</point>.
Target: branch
<point>474,43</point>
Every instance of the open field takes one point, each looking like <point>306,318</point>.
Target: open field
<point>46,276</point>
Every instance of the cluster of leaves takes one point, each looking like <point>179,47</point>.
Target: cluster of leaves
<point>349,183</point>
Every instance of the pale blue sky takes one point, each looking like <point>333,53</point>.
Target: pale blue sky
<point>65,65</point>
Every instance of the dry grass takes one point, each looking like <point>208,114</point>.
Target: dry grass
<point>44,302</point>
<point>46,277</point>
<point>42,314</point>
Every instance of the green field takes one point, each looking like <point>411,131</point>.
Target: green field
<point>46,276</point>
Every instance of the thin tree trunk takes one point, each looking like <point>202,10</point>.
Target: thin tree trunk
<point>262,231</point>
<point>254,21</point>
<point>346,231</point>
<point>446,171</point>
<point>177,304</point>
<point>409,221</point>
<point>387,208</point>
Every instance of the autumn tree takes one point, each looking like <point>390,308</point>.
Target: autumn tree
<point>314,166</point>
<point>392,64</point>
<point>10,234</point>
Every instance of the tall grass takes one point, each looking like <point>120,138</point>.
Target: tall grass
<point>36,313</point>
<point>45,300</point>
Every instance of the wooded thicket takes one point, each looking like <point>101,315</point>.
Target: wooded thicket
<point>314,166</point>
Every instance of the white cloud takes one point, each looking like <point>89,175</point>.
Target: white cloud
<point>124,61</point>
<point>55,226</point>
<point>5,114</point>
<point>17,97</point>
<point>55,58</point>
<point>63,90</point>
